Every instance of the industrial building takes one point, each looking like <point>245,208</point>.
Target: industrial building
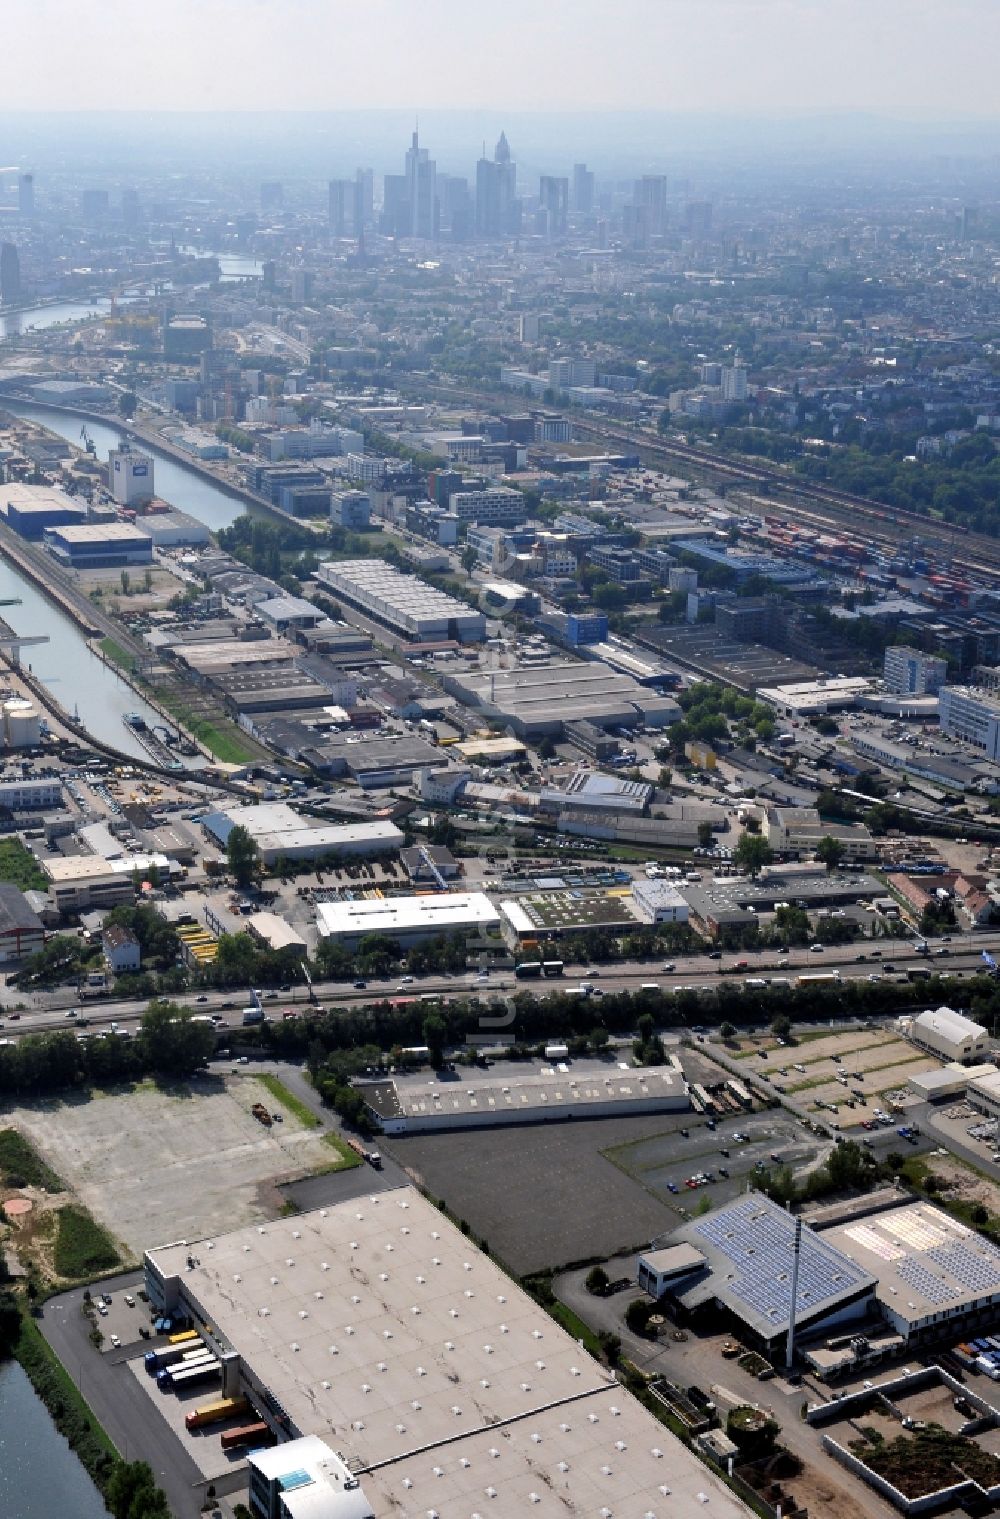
<point>374,761</point>
<point>407,920</point>
<point>279,831</point>
<point>99,546</point>
<point>408,606</point>
<point>175,530</point>
<point>595,792</point>
<point>81,881</point>
<point>435,1385</point>
<point>30,509</point>
<point>813,698</point>
<point>949,1035</point>
<point>726,899</point>
<point>658,902</point>
<point>538,700</point>
<point>130,475</point>
<point>551,1093</point>
<point>19,793</point>
<point>932,1270</point>
<point>747,1250</point>
<point>798,830</point>
<point>21,929</point>
<point>911,672</point>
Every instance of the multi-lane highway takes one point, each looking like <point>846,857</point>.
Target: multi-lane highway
<point>962,957</point>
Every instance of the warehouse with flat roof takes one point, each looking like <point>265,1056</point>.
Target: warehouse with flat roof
<point>374,1326</point>
<point>539,699</point>
<point>931,1270</point>
<point>279,831</point>
<point>99,545</point>
<point>550,1093</point>
<point>415,610</point>
<point>30,509</point>
<point>949,1035</point>
<point>408,920</point>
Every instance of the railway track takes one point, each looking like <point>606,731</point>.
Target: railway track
<point>807,502</point>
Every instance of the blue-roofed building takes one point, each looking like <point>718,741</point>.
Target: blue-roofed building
<point>743,563</point>
<point>747,1254</point>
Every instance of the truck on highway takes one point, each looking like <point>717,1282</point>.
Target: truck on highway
<point>252,1015</point>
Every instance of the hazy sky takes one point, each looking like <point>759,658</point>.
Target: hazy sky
<point>907,58</point>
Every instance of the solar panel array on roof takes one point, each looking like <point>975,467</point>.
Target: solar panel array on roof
<point>979,1271</point>
<point>758,1238</point>
<point>931,1287</point>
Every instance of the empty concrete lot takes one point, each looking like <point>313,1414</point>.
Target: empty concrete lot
<point>542,1195</point>
<point>157,1164</point>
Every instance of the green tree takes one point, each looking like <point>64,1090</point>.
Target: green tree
<point>752,853</point>
<point>728,1031</point>
<point>127,403</point>
<point>830,851</point>
<point>435,1034</point>
<point>781,1027</point>
<point>469,559</point>
<point>597,1281</point>
<point>705,835</point>
<point>172,1042</point>
<point>242,855</point>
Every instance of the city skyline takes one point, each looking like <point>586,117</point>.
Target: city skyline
<point>902,58</point>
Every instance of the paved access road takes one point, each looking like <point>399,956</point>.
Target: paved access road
<point>51,1010</point>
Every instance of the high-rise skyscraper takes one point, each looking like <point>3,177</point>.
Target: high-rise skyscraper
<point>650,197</point>
<point>583,190</point>
<point>340,198</point>
<point>10,275</point>
<point>553,200</point>
<point>498,211</point>
<point>421,190</point>
<point>26,195</point>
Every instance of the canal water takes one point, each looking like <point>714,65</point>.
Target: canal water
<point>182,487</point>
<point>75,676</point>
<point>40,1477</point>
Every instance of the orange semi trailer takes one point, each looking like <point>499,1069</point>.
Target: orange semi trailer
<point>214,1413</point>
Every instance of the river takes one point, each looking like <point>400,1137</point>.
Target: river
<point>40,1477</point>
<point>40,317</point>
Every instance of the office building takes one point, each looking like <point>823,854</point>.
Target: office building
<point>649,197</point>
<point>130,476</point>
<point>26,195</point>
<point>498,210</point>
<point>586,628</point>
<point>910,672</point>
<point>402,602</point>
<point>564,373</point>
<point>972,715</point>
<point>583,190</point>
<point>489,507</point>
<point>340,204</point>
<point>421,191</point>
<point>351,509</point>
<point>186,335</point>
<point>10,275</point>
<point>553,203</point>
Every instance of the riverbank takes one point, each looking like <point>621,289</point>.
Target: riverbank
<point>40,1472</point>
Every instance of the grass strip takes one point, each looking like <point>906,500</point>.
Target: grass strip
<point>83,1247</point>
<point>278,1090</point>
<point>575,1326</point>
<point>22,1166</point>
<point>69,1409</point>
<point>19,866</point>
<point>348,1158</point>
<point>117,655</point>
